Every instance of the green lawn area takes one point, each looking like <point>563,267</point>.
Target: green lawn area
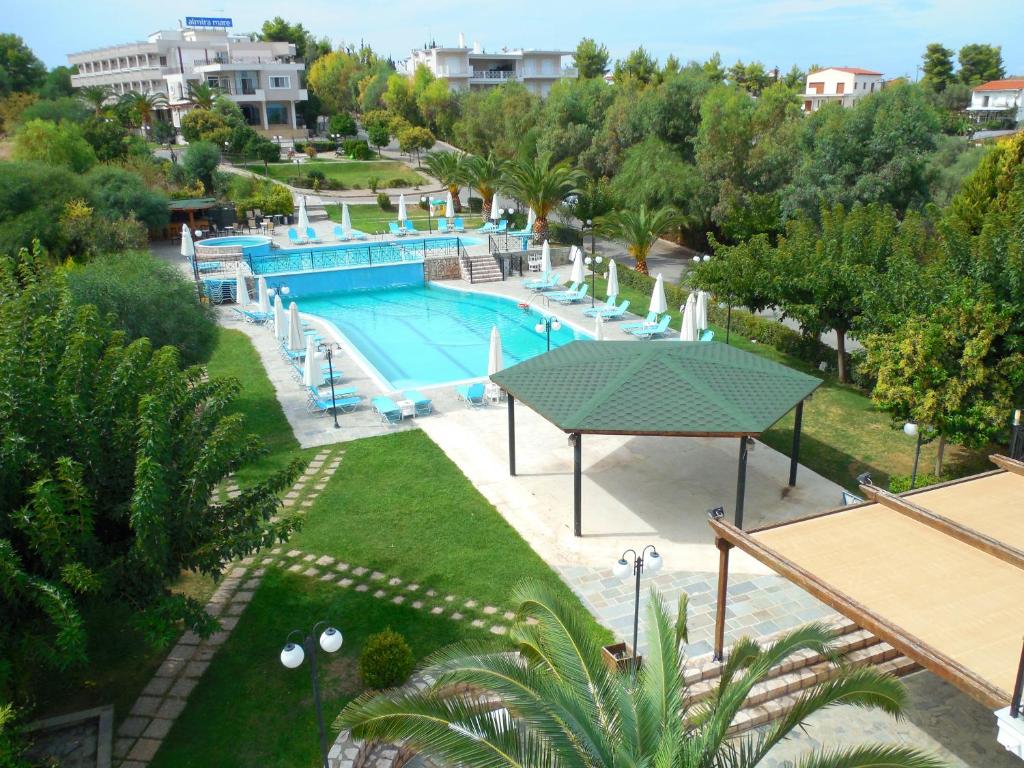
<point>843,434</point>
<point>371,219</point>
<point>354,174</point>
<point>249,710</point>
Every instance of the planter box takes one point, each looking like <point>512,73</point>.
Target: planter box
<point>619,657</point>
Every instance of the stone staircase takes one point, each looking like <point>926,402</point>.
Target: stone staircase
<point>480,268</point>
<point>773,697</point>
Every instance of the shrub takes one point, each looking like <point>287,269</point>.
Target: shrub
<point>205,125</point>
<point>384,202</point>
<point>342,124</point>
<point>201,160</point>
<point>901,483</point>
<point>398,182</point>
<point>163,132</point>
<point>316,175</point>
<point>150,298</point>
<point>118,193</point>
<point>476,204</point>
<point>68,108</point>
<point>373,182</point>
<point>311,151</point>
<point>563,233</point>
<point>247,193</point>
<point>357,149</point>
<point>87,235</point>
<point>316,144</point>
<point>54,144</point>
<point>386,660</point>
<point>32,198</point>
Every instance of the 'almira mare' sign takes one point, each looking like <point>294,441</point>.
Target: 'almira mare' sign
<point>206,21</point>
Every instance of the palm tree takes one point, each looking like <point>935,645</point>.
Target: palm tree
<point>541,186</point>
<point>547,700</point>
<point>449,169</point>
<point>202,95</point>
<point>639,229</point>
<point>96,96</point>
<point>484,173</point>
<point>141,106</point>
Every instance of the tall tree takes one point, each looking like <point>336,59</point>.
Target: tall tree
<point>546,698</point>
<point>334,78</point>
<point>638,67</point>
<point>938,67</point>
<point>980,63</point>
<point>499,120</point>
<point>414,140</point>
<point>307,47</point>
<point>143,106</point>
<point>541,185</point>
<point>400,99</point>
<point>591,59</point>
<point>713,68</point>
<point>485,174</point>
<point>21,70</point>
<point>639,229</point>
<point>743,274</point>
<point>57,84</point>
<point>449,168</point>
<point>53,144</point>
<point>96,96</point>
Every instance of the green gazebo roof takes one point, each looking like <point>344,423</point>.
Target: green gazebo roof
<point>701,389</point>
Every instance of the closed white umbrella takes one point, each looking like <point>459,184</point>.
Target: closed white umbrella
<point>242,297</point>
<point>494,361</point>
<point>688,328</point>
<point>303,216</point>
<point>402,214</point>
<point>531,219</point>
<point>545,259</point>
<point>495,207</point>
<point>312,371</point>
<point>658,304</point>
<point>296,342</point>
<point>346,221</point>
<point>280,320</point>
<point>449,207</point>
<point>613,281</point>
<point>577,275</point>
<point>188,248</point>
<point>701,313</point>
<point>262,298</point>
<point>599,328</point>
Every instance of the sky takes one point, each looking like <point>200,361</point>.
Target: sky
<point>884,35</point>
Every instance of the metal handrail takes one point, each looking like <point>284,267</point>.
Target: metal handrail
<point>1018,687</point>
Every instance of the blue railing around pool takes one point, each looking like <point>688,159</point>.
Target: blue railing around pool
<point>348,256</point>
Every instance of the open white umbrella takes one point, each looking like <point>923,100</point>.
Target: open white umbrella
<point>613,281</point>
<point>531,219</point>
<point>242,297</point>
<point>296,340</point>
<point>701,313</point>
<point>688,328</point>
<point>658,304</point>
<point>346,221</point>
<point>402,214</point>
<point>303,216</point>
<point>494,361</point>
<point>449,207</point>
<point>577,275</point>
<point>262,298</point>
<point>280,320</point>
<point>188,248</point>
<point>312,371</point>
<point>495,207</point>
<point>598,328</point>
<point>545,259</point>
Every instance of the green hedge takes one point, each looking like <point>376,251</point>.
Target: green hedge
<point>318,145</point>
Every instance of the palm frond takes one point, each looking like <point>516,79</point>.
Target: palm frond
<point>659,695</point>
<point>873,756</point>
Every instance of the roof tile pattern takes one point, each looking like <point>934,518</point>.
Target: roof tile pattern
<point>657,388</point>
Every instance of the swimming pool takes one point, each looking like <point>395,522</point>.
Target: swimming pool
<point>430,335</point>
<point>250,246</point>
<point>360,254</point>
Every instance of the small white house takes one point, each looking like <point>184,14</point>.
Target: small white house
<point>999,96</point>
<point>845,85</point>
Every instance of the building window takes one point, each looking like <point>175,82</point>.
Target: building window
<point>280,81</point>
<point>251,113</point>
<point>163,61</point>
<point>277,114</point>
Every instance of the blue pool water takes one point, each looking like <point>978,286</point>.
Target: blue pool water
<point>423,336</point>
<point>305,258</point>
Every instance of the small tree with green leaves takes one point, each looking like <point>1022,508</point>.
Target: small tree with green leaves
<point>414,140</point>
<point>639,229</point>
<point>342,124</point>
<point>379,135</point>
<point>541,185</point>
<point>450,170</point>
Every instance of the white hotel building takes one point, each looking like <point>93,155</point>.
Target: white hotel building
<point>472,69</point>
<point>264,79</point>
<point>843,85</point>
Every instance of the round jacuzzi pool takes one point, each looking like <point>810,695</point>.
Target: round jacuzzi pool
<point>234,245</point>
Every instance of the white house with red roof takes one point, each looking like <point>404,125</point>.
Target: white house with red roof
<point>844,85</point>
<point>999,96</point>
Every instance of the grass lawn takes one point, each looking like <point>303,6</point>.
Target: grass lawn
<point>371,219</point>
<point>249,710</point>
<point>843,434</point>
<point>354,174</point>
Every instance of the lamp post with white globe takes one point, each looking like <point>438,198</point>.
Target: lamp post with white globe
<point>911,429</point>
<point>623,567</point>
<point>294,653</point>
<point>547,325</point>
<point>593,262</point>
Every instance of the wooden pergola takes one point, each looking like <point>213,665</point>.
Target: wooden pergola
<point>938,573</point>
<point>676,389</point>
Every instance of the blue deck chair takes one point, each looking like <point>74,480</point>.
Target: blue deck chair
<point>542,283</point>
<point>442,225</point>
<point>458,225</point>
<point>358,234</point>
<point>708,335</point>
<point>395,230</point>
<point>570,297</point>
<point>339,233</point>
<point>503,225</point>
<point>471,394</point>
<point>488,227</point>
<point>408,227</point>
<point>293,236</point>
<point>387,409</point>
<point>652,317</point>
<point>649,331</point>
<point>340,393</point>
<point>610,312</point>
<point>574,288</point>
<point>311,235</point>
<point>423,405</point>
<point>319,404</point>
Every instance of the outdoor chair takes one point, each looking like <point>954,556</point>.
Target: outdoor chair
<point>503,225</point>
<point>319,404</point>
<point>572,290</point>
<point>358,234</point>
<point>339,234</point>
<point>422,404</point>
<point>544,283</point>
<point>253,317</point>
<point>650,331</point>
<point>442,225</point>
<point>294,237</point>
<point>311,235</point>
<point>395,229</point>
<point>471,394</point>
<point>708,335</point>
<point>570,297</point>
<point>409,228</point>
<point>652,317</point>
<point>611,312</point>
<point>458,225</point>
<point>387,409</point>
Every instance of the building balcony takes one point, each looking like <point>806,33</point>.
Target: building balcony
<point>231,60</point>
<point>493,75</point>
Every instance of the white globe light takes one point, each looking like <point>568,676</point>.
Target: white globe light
<point>292,655</point>
<point>696,259</point>
<point>539,327</point>
<point>621,569</point>
<point>330,640</point>
<point>555,325</point>
<point>600,259</point>
<point>910,429</point>
<point>653,562</point>
<point>707,257</point>
<point>285,290</point>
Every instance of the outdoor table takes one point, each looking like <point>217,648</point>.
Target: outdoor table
<point>407,407</point>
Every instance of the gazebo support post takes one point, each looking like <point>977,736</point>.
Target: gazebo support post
<point>577,483</point>
<point>723,588</point>
<point>794,456</point>
<point>511,435</point>
<point>741,481</point>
